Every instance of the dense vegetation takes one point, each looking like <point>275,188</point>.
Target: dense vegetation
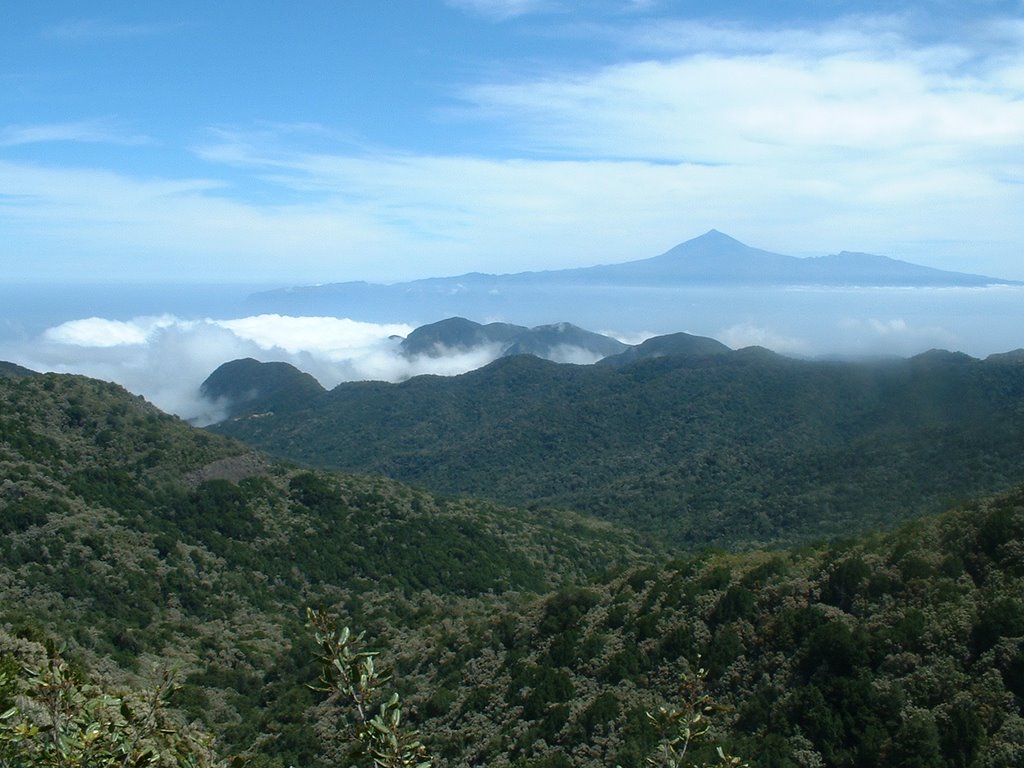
<point>139,540</point>
<point>900,650</point>
<point>701,448</point>
<point>52,716</point>
<point>519,639</point>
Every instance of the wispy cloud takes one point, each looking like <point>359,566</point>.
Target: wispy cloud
<point>897,333</point>
<point>672,37</point>
<point>88,131</point>
<point>751,335</point>
<point>501,10</point>
<point>877,139</point>
<point>127,227</point>
<point>735,95</point>
<point>89,30</point>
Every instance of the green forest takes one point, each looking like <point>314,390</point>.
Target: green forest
<point>156,579</point>
<point>735,448</point>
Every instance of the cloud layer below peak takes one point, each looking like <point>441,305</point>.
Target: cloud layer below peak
<point>166,359</point>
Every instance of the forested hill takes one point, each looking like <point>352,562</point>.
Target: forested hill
<point>142,543</point>
<point>705,447</point>
<point>903,650</point>
<point>14,371</point>
<point>137,539</point>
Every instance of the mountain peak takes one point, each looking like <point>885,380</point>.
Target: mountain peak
<point>713,238</point>
<point>714,257</point>
<point>714,234</point>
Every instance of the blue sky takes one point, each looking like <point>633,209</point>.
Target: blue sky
<point>334,140</point>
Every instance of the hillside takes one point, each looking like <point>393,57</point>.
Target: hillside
<point>696,444</point>
<point>140,541</point>
<point>137,539</point>
<point>14,371</point>
<point>899,650</point>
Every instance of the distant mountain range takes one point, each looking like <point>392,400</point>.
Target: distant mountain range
<point>249,386</point>
<point>713,259</point>
<point>649,294</point>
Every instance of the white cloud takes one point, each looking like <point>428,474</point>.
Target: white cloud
<point>711,107</point>
<point>165,362</point>
<point>102,333</point>
<point>90,131</point>
<point>750,335</point>
<point>91,30</point>
<point>166,359</point>
<point>501,10</point>
<point>335,338</point>
<point>801,140</point>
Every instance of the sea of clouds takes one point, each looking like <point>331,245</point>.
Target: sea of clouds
<point>166,356</point>
<point>166,359</point>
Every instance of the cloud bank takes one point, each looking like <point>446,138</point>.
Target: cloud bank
<point>166,359</point>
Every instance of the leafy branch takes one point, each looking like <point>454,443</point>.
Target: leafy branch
<point>685,723</point>
<point>60,721</point>
<point>352,674</point>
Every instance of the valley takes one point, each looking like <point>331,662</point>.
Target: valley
<point>527,634</point>
<point>511,384</point>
